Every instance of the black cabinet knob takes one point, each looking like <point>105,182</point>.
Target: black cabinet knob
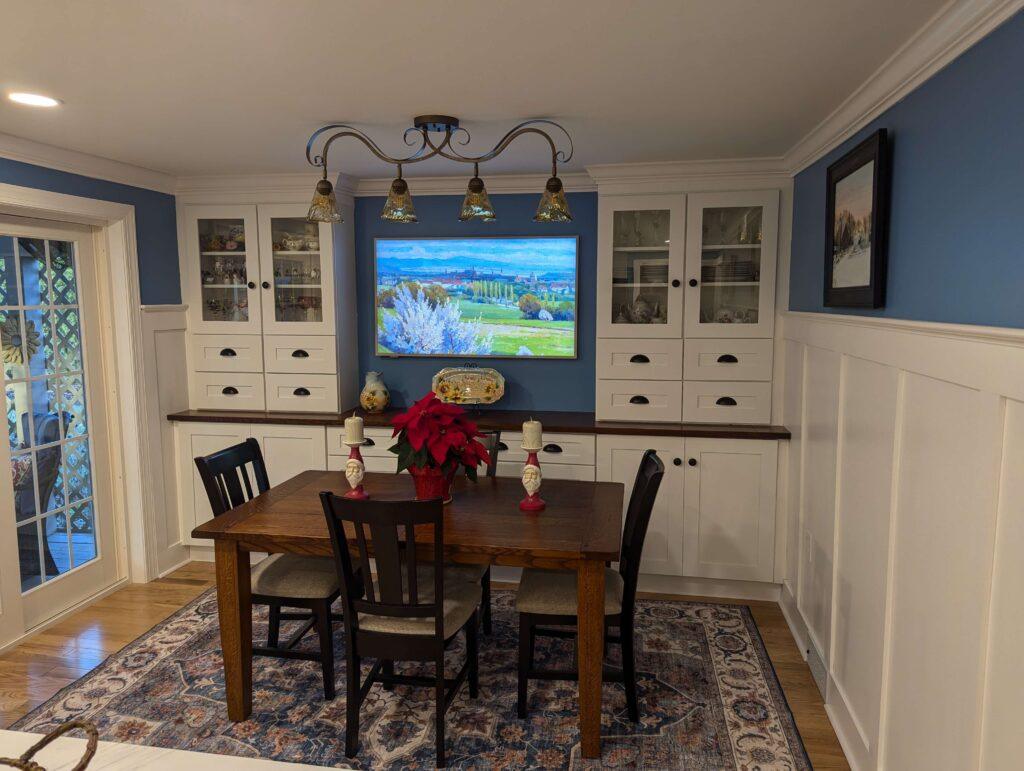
<point>677,462</point>
<point>727,358</point>
<point>693,282</point>
<point>692,461</point>
<point>639,358</point>
<point>301,392</point>
<point>300,354</point>
<point>552,448</point>
<point>675,282</point>
<point>638,399</point>
<point>228,352</point>
<point>265,285</point>
<point>251,285</point>
<point>725,401</point>
<point>229,391</point>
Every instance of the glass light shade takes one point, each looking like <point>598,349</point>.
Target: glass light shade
<point>553,206</point>
<point>477,204</point>
<point>398,207</point>
<point>324,207</point>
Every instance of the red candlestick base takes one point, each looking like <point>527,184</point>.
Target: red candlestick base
<point>533,501</point>
<point>357,493</point>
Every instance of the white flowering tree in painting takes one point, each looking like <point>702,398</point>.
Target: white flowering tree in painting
<point>419,325</point>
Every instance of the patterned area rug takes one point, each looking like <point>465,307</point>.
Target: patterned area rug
<point>709,699</point>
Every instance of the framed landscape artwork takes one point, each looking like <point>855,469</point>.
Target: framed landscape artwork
<point>857,218</point>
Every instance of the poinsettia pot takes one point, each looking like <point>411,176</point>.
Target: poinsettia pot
<point>431,482</point>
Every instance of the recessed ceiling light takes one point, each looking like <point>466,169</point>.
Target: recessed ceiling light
<point>34,100</point>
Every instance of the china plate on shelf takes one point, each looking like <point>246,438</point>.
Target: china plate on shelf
<point>468,385</point>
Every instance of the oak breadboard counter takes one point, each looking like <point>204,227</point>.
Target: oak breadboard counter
<point>488,419</point>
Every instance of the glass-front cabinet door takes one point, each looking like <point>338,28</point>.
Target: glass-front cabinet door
<point>221,244</point>
<point>640,266</point>
<point>296,268</point>
<point>730,264</point>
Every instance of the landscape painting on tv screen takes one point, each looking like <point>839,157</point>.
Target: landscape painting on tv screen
<point>512,297</point>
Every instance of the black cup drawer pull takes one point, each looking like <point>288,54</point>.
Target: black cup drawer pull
<point>639,358</point>
<point>725,401</point>
<point>552,448</point>
<point>638,399</point>
<point>229,391</point>
<point>298,353</point>
<point>228,352</point>
<point>501,447</point>
<point>368,442</point>
<point>301,392</point>
<point>727,358</point>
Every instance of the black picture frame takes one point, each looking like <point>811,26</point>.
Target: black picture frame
<point>875,149</point>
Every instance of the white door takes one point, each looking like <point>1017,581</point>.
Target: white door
<point>729,527</point>
<point>731,246</point>
<point>618,458</point>
<point>640,266</point>
<point>297,269</point>
<point>222,281</point>
<point>290,450</point>
<point>56,503</point>
<point>194,440</point>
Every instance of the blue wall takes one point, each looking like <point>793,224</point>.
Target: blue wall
<point>956,238</point>
<point>155,224</point>
<point>529,384</point>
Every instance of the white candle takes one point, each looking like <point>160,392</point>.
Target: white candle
<point>354,430</point>
<point>532,435</point>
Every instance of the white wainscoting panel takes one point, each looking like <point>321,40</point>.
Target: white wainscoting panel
<point>166,383</point>
<point>793,409</point>
<point>907,480</point>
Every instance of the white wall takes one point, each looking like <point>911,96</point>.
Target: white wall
<point>905,517</point>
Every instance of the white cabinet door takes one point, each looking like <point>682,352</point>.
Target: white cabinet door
<point>290,450</point>
<point>297,270</point>
<point>222,281</point>
<point>618,458</point>
<point>194,440</point>
<point>510,468</point>
<point>729,526</point>
<point>731,249</point>
<point>640,266</point>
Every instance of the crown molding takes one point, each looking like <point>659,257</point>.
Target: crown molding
<point>673,176</point>
<point>52,157</point>
<point>954,29</point>
<point>257,188</point>
<point>575,182</point>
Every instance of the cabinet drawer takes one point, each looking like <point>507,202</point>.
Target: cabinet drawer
<point>640,359</point>
<point>301,353</point>
<point>302,393</point>
<point>227,353</point>
<point>728,359</point>
<point>376,464</point>
<point>646,400</point>
<point>227,391</point>
<point>378,441</point>
<point>718,402</point>
<point>573,449</point>
<point>508,468</point>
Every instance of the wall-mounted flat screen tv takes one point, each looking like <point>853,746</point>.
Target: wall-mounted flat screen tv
<point>505,297</point>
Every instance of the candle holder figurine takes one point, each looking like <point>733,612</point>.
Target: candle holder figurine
<point>355,470</point>
<point>532,477</point>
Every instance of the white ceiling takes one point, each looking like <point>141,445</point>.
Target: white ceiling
<point>194,87</point>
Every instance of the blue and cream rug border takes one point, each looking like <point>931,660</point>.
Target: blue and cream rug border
<point>715,703</point>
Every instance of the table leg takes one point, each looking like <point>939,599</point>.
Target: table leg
<point>590,598</point>
<point>234,605</point>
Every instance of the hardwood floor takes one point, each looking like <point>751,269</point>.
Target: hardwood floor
<point>35,670</point>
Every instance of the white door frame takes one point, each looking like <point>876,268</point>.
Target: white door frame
<point>118,281</point>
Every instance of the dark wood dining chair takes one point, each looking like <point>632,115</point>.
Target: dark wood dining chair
<point>547,598</point>
<point>280,580</point>
<point>399,616</point>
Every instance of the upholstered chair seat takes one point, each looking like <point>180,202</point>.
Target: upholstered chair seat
<point>553,592</point>
<point>461,599</point>
<point>293,576</point>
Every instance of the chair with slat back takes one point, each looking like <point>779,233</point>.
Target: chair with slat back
<point>399,617</point>
<point>547,598</point>
<point>238,474</point>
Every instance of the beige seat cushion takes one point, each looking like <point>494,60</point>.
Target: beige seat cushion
<point>553,592</point>
<point>460,600</point>
<point>294,576</point>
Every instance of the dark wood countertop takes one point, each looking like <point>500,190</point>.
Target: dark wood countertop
<point>504,420</point>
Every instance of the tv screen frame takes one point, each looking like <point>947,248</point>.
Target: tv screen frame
<point>464,356</point>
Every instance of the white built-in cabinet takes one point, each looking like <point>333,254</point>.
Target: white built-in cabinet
<point>678,272</point>
<point>287,450</point>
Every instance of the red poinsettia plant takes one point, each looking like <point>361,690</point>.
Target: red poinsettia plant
<point>433,434</point>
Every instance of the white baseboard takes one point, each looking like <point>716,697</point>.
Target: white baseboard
<point>709,587</point>
<point>794,620</point>
<point>858,753</point>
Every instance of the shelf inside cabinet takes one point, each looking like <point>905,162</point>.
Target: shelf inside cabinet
<point>236,253</point>
<point>719,247</point>
<point>297,253</point>
<point>730,283</point>
<point>639,284</point>
<point>664,248</point>
<point>225,286</point>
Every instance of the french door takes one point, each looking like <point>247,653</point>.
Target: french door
<point>56,500</point>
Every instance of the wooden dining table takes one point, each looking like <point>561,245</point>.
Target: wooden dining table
<point>580,530</point>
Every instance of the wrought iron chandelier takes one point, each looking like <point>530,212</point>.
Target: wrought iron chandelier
<point>476,205</point>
